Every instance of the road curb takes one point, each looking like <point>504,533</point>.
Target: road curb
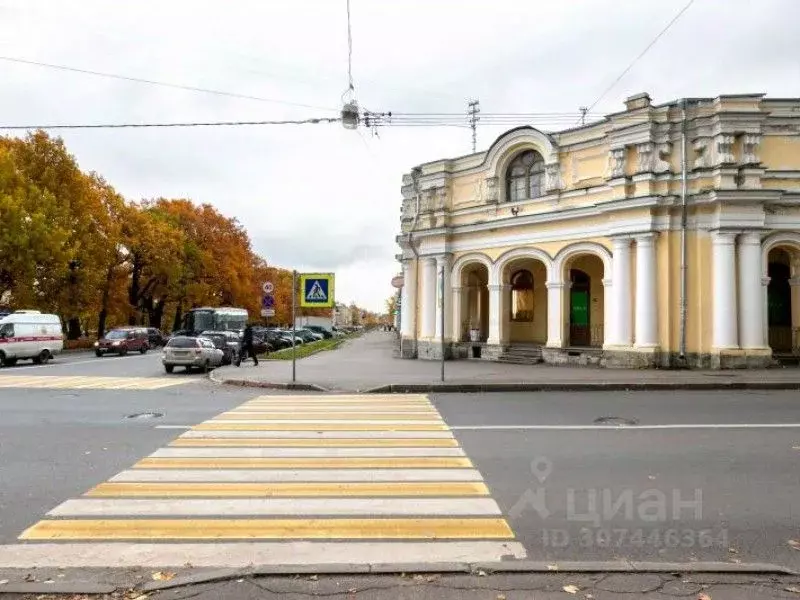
<point>211,575</point>
<point>456,388</point>
<point>308,387</point>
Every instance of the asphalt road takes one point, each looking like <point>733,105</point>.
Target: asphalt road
<point>570,490</point>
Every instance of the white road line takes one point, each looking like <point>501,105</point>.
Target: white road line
<point>242,555</point>
<point>629,427</point>
<point>317,435</point>
<point>301,452</point>
<point>299,475</point>
<point>140,507</point>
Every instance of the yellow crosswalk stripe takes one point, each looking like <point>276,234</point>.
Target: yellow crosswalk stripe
<point>410,462</point>
<point>330,416</point>
<point>242,529</point>
<point>113,489</point>
<point>221,426</point>
<point>315,443</point>
<point>89,382</point>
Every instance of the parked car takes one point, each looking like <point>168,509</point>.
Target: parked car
<point>29,334</point>
<point>227,341</point>
<point>307,336</point>
<point>155,338</point>
<point>273,337</point>
<point>123,340</point>
<point>320,330</point>
<point>191,352</point>
<point>287,335</point>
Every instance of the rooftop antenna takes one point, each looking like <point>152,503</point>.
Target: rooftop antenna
<point>473,108</point>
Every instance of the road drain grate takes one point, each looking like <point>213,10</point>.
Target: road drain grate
<point>145,415</point>
<point>615,421</point>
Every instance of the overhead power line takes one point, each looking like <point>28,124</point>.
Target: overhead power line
<point>642,53</point>
<point>189,88</point>
<point>311,121</point>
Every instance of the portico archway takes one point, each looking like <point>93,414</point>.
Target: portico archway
<point>475,303</point>
<point>585,301</point>
<point>524,283</point>
<point>783,310</point>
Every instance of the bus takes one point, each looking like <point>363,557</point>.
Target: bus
<point>223,318</point>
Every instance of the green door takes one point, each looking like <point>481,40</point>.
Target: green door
<point>579,318</point>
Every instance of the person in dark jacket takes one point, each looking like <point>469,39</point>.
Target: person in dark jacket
<point>248,347</point>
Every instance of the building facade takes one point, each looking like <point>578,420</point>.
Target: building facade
<point>660,236</point>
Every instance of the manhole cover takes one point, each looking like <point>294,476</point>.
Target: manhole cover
<point>145,415</point>
<point>615,421</point>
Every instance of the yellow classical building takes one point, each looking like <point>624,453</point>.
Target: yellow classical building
<point>663,235</point>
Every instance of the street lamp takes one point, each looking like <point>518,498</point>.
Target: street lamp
<point>350,118</point>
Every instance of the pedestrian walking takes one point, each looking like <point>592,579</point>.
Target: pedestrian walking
<point>248,347</point>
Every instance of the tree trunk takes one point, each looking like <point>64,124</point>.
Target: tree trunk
<point>101,319</point>
<point>156,312</point>
<point>176,324</point>
<point>73,328</point>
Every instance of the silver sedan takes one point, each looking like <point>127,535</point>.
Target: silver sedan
<point>191,352</point>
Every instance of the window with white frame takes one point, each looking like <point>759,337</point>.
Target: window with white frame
<point>525,177</point>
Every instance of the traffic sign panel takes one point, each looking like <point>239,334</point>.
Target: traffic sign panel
<point>316,290</point>
<point>268,288</point>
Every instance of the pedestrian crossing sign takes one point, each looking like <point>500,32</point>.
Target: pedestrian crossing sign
<point>316,290</point>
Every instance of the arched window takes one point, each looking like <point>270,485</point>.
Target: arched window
<point>522,296</point>
<point>525,176</point>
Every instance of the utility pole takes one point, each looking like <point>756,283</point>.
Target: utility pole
<point>473,108</point>
<point>583,110</point>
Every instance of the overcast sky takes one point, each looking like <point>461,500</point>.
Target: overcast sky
<point>318,197</point>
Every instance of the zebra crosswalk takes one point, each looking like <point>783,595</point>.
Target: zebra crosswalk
<point>55,382</point>
<point>287,480</point>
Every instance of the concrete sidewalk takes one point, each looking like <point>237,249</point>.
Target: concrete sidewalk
<point>366,364</point>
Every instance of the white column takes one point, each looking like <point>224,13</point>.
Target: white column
<point>751,297</point>
<point>607,307</point>
<point>646,334</point>
<point>408,302</point>
<point>555,310</point>
<point>443,298</point>
<point>496,308</point>
<point>457,304</point>
<point>427,299</point>
<point>620,330</point>
<point>724,290</point>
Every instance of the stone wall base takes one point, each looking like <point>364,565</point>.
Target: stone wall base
<point>579,358</point>
<point>432,350</point>
<point>741,359</point>
<point>405,348</point>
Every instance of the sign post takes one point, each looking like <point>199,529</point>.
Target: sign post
<point>294,325</point>
<point>441,312</point>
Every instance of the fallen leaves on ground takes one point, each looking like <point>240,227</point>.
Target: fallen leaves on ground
<point>552,567</point>
<point>794,544</point>
<point>792,588</point>
<point>703,597</point>
<point>162,575</point>
<point>501,597</point>
<point>571,589</point>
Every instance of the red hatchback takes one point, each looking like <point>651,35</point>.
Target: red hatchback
<point>123,340</point>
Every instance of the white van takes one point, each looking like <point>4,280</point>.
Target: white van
<point>29,334</point>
